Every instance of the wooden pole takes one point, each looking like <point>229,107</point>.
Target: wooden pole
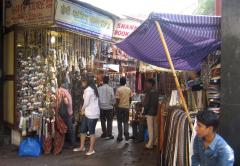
<point>174,74</point>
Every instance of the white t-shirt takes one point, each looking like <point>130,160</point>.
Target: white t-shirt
<point>91,105</point>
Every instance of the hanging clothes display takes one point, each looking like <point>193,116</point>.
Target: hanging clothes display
<point>174,101</point>
<point>210,73</point>
<point>176,144</point>
<point>139,82</point>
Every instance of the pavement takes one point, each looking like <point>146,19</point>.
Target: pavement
<point>108,153</point>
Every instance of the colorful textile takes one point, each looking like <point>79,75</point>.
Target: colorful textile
<point>175,148</point>
<point>61,92</point>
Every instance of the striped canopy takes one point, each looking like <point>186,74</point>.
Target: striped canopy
<point>189,38</point>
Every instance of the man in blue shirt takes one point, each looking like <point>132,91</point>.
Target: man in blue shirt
<point>209,148</point>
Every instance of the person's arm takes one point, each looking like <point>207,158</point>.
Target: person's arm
<point>117,98</point>
<point>195,156</point>
<point>225,156</point>
<point>113,101</point>
<point>156,102</point>
<point>130,98</point>
<point>87,97</point>
<point>65,100</point>
<point>146,103</point>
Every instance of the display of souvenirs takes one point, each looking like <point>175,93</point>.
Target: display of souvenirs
<point>30,81</point>
<point>44,58</point>
<point>36,88</point>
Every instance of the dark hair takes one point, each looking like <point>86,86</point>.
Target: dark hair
<point>91,83</point>
<point>151,81</point>
<point>208,118</point>
<point>123,81</point>
<point>64,83</point>
<point>105,79</point>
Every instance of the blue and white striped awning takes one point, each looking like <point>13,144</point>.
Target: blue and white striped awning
<point>189,38</point>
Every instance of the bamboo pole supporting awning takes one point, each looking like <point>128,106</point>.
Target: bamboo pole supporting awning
<point>183,101</point>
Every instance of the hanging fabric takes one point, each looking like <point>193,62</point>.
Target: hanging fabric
<point>175,146</point>
<point>174,101</point>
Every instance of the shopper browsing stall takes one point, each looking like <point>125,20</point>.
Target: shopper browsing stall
<point>123,100</point>
<point>106,100</point>
<point>150,110</point>
<point>91,112</point>
<point>64,109</point>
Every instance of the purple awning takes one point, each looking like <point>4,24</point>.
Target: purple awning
<point>189,38</point>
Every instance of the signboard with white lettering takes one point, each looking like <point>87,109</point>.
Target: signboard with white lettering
<point>83,19</point>
<point>124,27</point>
<point>37,12</point>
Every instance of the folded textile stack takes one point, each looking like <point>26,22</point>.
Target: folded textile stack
<point>214,90</point>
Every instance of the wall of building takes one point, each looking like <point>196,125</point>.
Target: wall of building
<point>1,68</point>
<point>230,116</point>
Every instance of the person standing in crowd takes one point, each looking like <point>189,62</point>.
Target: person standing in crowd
<point>64,109</point>
<point>107,100</point>
<point>123,100</point>
<point>150,105</point>
<point>209,148</point>
<point>91,111</point>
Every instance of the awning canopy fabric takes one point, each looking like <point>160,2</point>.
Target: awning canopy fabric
<point>189,38</point>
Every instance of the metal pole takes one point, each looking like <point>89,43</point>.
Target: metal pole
<point>174,73</point>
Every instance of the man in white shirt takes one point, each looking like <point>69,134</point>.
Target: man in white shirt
<point>106,101</point>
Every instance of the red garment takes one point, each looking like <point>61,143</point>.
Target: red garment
<point>140,82</point>
<point>47,145</point>
<point>61,92</point>
<point>60,127</point>
<point>58,142</point>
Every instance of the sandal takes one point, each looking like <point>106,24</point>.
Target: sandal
<point>90,153</point>
<point>79,149</point>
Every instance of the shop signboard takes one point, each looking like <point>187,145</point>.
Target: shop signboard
<point>37,12</point>
<point>124,27</point>
<point>82,19</point>
<point>111,67</point>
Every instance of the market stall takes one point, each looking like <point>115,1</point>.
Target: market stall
<point>47,41</point>
<point>179,42</point>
